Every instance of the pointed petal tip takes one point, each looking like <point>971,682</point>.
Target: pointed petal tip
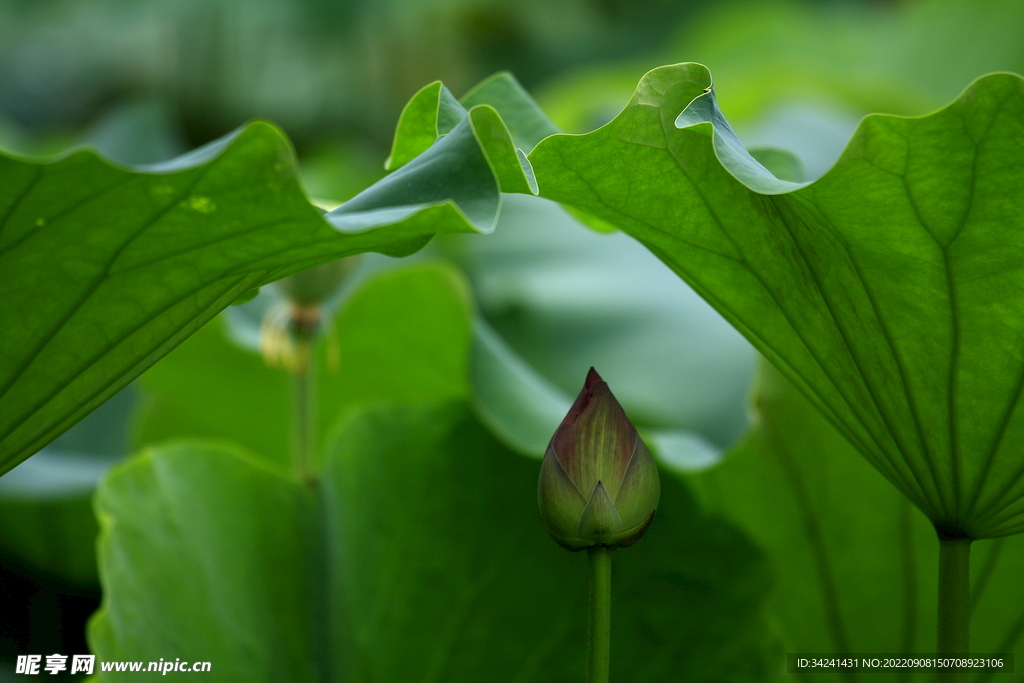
<point>583,399</point>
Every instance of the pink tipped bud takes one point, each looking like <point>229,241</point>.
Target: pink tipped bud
<point>598,482</point>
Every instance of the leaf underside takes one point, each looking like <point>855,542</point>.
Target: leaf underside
<point>105,269</point>
<point>855,561</point>
<point>889,291</point>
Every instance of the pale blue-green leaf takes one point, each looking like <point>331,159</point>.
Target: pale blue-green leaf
<point>564,299</point>
<point>519,406</point>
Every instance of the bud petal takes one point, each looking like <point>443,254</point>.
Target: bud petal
<point>640,489</point>
<point>561,503</point>
<point>599,521</point>
<point>631,536</point>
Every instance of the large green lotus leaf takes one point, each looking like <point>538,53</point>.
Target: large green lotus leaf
<point>46,519</point>
<point>105,268</point>
<point>855,561</point>
<point>401,335</point>
<point>373,575</point>
<point>527,123</point>
<point>494,122</point>
<point>433,112</point>
<point>887,290</point>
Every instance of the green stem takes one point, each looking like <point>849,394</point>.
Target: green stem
<point>304,411</point>
<point>598,653</point>
<point>954,603</point>
<point>909,583</point>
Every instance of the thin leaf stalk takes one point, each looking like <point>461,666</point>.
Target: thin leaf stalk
<point>599,643</point>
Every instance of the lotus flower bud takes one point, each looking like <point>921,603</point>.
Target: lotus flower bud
<point>288,329</point>
<point>314,286</point>
<point>598,482</point>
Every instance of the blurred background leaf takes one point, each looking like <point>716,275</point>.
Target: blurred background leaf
<point>402,335</point>
<point>317,67</point>
<point>48,578</point>
<point>419,555</point>
<point>45,503</point>
<point>566,298</point>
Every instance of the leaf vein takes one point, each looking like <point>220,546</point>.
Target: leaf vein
<point>47,337</point>
<point>20,198</point>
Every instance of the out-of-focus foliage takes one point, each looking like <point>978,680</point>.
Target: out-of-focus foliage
<point>565,298</point>
<point>402,336</point>
<point>799,75</point>
<point>46,503</point>
<point>516,401</point>
<point>313,66</point>
<point>901,58</point>
<point>146,80</point>
<point>419,547</point>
